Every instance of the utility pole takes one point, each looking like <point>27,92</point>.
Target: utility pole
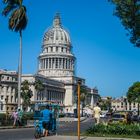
<point>78,128</point>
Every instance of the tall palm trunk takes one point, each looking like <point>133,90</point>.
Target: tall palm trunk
<point>20,71</point>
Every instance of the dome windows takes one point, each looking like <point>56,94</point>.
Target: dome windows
<point>56,34</point>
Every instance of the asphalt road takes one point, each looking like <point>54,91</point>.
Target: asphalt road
<point>65,128</point>
<point>70,128</point>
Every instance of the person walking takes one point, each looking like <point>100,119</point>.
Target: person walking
<point>96,113</point>
<point>46,118</point>
<point>14,116</point>
<point>19,118</point>
<point>53,119</point>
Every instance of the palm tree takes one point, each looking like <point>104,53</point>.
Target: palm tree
<point>26,94</point>
<point>17,23</point>
<point>39,86</point>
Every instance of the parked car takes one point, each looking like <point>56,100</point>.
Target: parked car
<point>135,118</point>
<point>103,115</point>
<point>71,115</point>
<point>108,115</point>
<point>119,117</point>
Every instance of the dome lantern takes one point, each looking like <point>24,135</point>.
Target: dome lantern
<point>57,20</point>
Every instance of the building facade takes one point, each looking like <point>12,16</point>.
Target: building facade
<point>8,89</point>
<point>122,104</point>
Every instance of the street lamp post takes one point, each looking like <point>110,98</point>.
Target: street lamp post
<point>6,100</point>
<point>78,128</point>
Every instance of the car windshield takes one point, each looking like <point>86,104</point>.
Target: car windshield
<point>118,116</point>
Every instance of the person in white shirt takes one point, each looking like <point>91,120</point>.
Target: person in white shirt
<point>96,113</point>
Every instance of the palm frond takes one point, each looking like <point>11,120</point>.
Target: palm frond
<point>8,9</point>
<point>18,18</point>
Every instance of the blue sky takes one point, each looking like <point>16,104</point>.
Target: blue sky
<point>105,58</point>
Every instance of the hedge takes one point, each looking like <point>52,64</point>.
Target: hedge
<point>26,116</point>
<point>115,129</point>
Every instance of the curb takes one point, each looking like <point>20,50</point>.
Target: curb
<point>11,127</point>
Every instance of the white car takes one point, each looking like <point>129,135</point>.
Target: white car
<point>103,115</point>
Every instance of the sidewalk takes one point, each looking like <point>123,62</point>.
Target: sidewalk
<point>82,138</point>
<point>11,127</point>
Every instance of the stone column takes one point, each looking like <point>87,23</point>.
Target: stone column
<point>45,62</point>
<point>48,63</point>
<point>51,63</point>
<point>70,64</point>
<point>92,100</point>
<point>64,63</point>
<point>39,64</point>
<point>58,63</point>
<point>42,63</point>
<point>54,63</point>
<point>9,90</point>
<point>61,63</point>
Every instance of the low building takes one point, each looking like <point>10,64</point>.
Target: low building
<point>8,90</point>
<point>122,104</point>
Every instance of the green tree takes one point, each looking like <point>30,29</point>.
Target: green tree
<point>105,104</point>
<point>133,94</point>
<point>128,11</point>
<point>17,23</point>
<point>39,87</point>
<point>26,94</point>
<point>108,102</point>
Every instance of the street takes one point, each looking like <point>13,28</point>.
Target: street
<point>65,128</point>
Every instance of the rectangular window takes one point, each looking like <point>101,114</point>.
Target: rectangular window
<point>11,99</point>
<point>62,49</point>
<point>1,97</point>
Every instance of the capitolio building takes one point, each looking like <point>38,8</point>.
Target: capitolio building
<point>56,70</point>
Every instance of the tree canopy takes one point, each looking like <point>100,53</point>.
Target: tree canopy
<point>26,93</point>
<point>17,19</point>
<point>39,85</point>
<point>133,94</point>
<point>128,11</point>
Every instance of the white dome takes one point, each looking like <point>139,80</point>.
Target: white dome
<point>56,34</point>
